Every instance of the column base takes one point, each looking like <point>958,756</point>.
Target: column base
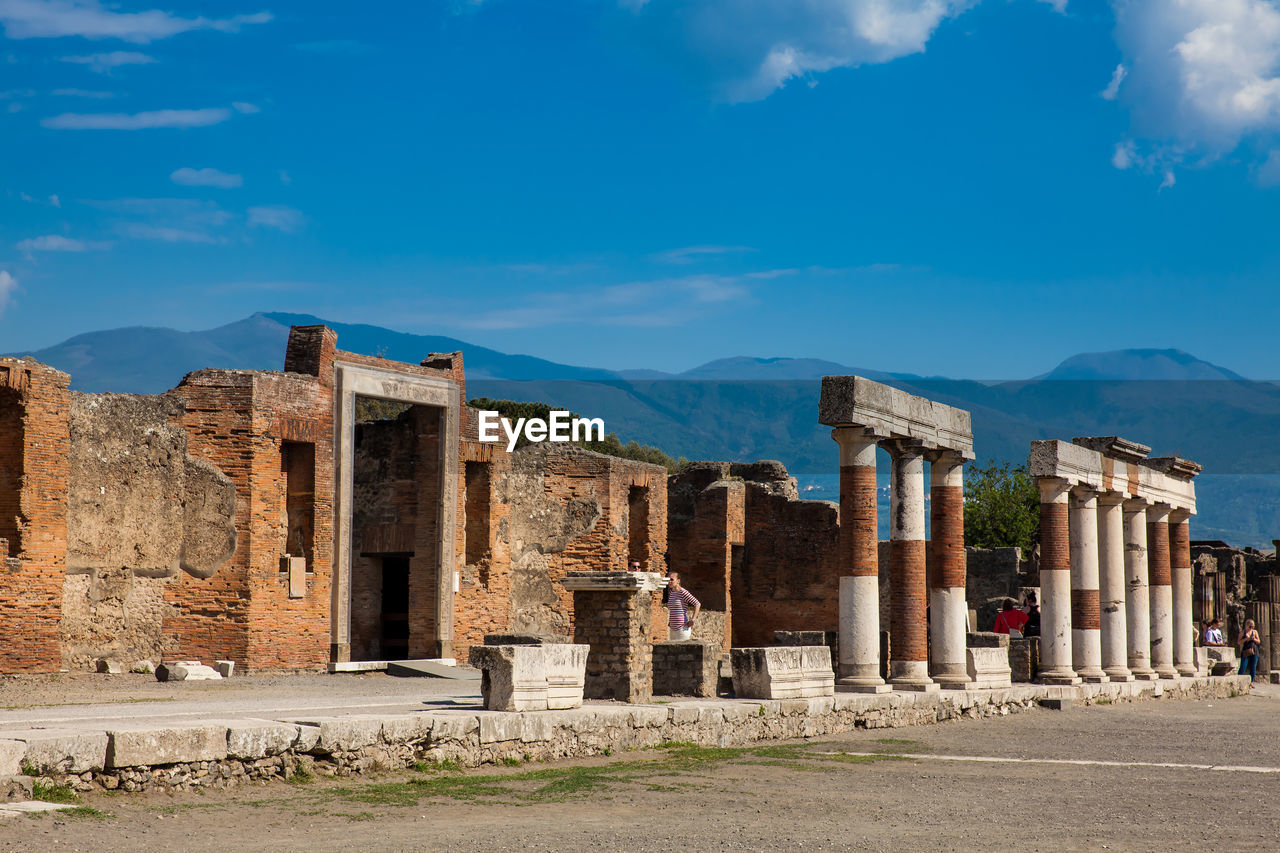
<point>850,686</point>
<point>1166,671</point>
<point>953,682</point>
<point>1119,673</point>
<point>1059,678</point>
<point>1092,675</point>
<point>1146,675</point>
<point>1141,670</point>
<point>1186,670</point>
<point>951,676</point>
<point>916,686</point>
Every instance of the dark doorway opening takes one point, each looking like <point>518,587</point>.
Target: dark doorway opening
<point>395,608</point>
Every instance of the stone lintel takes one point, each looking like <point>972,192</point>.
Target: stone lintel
<point>1114,446</point>
<point>1174,466</point>
<point>1081,466</point>
<point>889,413</point>
<point>637,581</point>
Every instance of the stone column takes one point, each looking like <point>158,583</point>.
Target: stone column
<point>1137,593</point>
<point>1055,584</point>
<point>909,644</point>
<point>1184,629</point>
<point>1086,637</point>
<point>948,608</point>
<point>858,669</point>
<point>1161,590</point>
<point>1111,583</point>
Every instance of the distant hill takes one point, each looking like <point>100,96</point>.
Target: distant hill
<point>747,408</point>
<point>1141,364</point>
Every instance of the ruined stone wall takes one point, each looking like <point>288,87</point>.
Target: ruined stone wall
<point>483,604</point>
<point>35,439</point>
<point>992,574</point>
<point>240,422</point>
<point>789,575</point>
<point>706,520</point>
<point>140,510</point>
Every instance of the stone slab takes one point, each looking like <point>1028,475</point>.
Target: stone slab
<point>344,734</point>
<point>11,754</point>
<point>131,747</point>
<point>430,669</point>
<point>251,740</point>
<point>782,672</point>
<point>988,666</point>
<point>61,751</point>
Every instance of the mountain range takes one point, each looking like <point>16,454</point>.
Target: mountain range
<point>765,408</point>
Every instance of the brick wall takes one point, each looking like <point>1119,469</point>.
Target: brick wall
<point>616,624</point>
<point>35,444</point>
<point>686,669</point>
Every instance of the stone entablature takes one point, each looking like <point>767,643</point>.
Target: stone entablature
<point>886,412</point>
<point>782,672</point>
<point>1112,464</point>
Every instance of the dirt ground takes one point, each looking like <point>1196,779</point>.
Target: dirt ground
<point>887,789</point>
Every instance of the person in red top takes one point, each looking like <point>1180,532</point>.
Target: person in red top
<point>1010,618</point>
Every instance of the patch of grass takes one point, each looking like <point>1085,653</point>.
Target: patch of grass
<point>512,761</point>
<point>29,769</point>
<point>444,765</point>
<point>1102,700</point>
<point>357,815</point>
<point>85,812</point>
<point>53,793</point>
<point>897,741</point>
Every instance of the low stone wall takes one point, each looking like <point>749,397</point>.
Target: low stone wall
<point>223,754</point>
<point>686,669</point>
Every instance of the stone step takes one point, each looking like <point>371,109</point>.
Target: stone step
<point>430,669</point>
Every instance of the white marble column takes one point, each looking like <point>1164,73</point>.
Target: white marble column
<point>1184,630</point>
<point>1055,583</point>
<point>948,606</point>
<point>908,640</point>
<point>1086,639</point>
<point>1111,586</point>
<point>859,665</point>
<point>1137,592</point>
<point>1158,576</point>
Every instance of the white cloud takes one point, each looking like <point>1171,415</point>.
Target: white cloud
<point>82,93</point>
<point>758,47</point>
<point>1202,74</point>
<point>1124,155</point>
<point>1113,88</point>
<point>137,121</point>
<point>188,177</point>
<point>1058,5</point>
<point>17,93</point>
<point>102,63</point>
<point>8,284</point>
<point>166,234</point>
<point>245,108</point>
<point>1269,171</point>
<point>689,254</point>
<point>90,19</point>
<point>55,201</point>
<point>58,243</point>
<point>1168,180</point>
<point>281,218</point>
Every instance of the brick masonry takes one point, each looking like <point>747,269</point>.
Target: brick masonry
<point>617,626</point>
<point>686,669</point>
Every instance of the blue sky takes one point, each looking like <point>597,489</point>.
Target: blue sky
<point>975,188</point>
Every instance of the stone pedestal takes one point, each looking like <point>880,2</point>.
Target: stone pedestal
<point>782,672</point>
<point>688,668</point>
<point>612,615</point>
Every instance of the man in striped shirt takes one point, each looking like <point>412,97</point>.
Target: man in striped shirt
<point>679,600</point>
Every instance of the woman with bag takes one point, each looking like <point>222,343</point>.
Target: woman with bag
<point>1249,643</point>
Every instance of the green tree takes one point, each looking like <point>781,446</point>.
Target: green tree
<point>1001,507</point>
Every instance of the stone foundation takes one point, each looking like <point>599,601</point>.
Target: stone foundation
<point>220,755</point>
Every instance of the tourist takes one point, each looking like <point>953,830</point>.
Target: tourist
<point>1010,619</point>
<point>633,566</point>
<point>1249,643</point>
<point>679,600</point>
<point>1213,633</point>
<point>1031,628</point>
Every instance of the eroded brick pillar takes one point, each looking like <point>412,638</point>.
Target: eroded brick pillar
<point>1111,587</point>
<point>909,643</point>
<point>1055,583</point>
<point>858,669</point>
<point>1086,624</point>
<point>1184,631</point>
<point>1137,590</point>
<point>1159,577</point>
<point>948,606</point>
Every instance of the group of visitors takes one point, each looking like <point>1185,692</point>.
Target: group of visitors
<point>1249,643</point>
<point>1019,622</point>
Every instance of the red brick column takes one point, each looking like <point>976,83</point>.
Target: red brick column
<point>1160,579</point>
<point>948,605</point>
<point>1055,583</point>
<point>859,665</point>
<point>909,643</point>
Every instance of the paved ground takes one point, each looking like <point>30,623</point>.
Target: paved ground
<point>1150,776</point>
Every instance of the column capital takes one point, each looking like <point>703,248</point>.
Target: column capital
<point>1111,498</point>
<point>1178,515</point>
<point>1084,494</point>
<point>1158,513</point>
<point>903,447</point>
<point>857,446</point>
<point>1053,490</point>
<point>1136,505</point>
